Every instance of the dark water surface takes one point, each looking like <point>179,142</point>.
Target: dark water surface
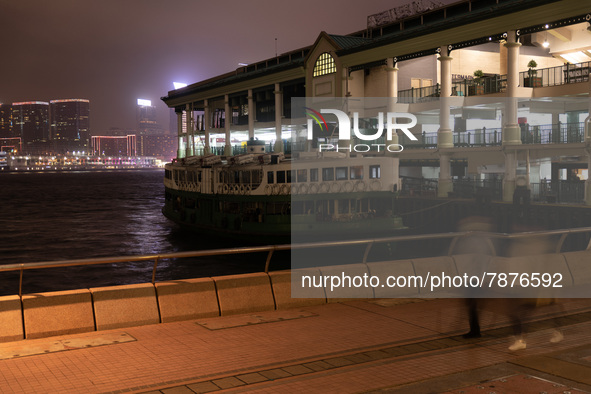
<point>80,215</point>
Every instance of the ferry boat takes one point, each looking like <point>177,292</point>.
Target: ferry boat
<point>270,198</point>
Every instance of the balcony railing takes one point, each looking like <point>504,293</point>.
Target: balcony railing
<point>560,133</point>
<point>554,76</point>
<point>560,191</point>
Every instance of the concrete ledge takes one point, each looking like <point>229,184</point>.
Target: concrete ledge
<point>579,264</point>
<point>281,282</point>
<point>57,313</point>
<point>244,293</point>
<point>471,263</point>
<point>346,282</point>
<point>125,306</point>
<point>435,267</point>
<point>187,299</point>
<point>11,328</point>
<point>396,268</point>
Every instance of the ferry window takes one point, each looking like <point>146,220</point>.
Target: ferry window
<point>357,172</point>
<point>328,174</point>
<point>324,65</point>
<point>289,176</point>
<point>302,175</point>
<point>199,176</point>
<point>374,172</point>
<point>257,178</point>
<point>344,206</point>
<point>342,173</point>
<point>246,177</point>
<point>280,176</point>
<point>270,177</point>
<point>313,174</point>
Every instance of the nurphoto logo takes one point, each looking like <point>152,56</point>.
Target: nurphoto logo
<point>344,124</point>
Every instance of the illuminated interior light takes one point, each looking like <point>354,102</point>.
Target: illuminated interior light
<point>575,57</point>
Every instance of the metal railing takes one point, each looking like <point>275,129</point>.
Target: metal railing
<point>559,133</point>
<point>554,76</point>
<point>366,244</point>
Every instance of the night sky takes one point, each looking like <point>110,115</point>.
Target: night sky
<point>115,51</point>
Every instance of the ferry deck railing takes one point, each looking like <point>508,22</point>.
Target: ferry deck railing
<point>367,245</point>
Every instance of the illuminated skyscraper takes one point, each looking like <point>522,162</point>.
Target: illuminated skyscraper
<point>147,124</point>
<point>5,120</point>
<point>70,125</point>
<point>30,122</point>
<point>146,118</point>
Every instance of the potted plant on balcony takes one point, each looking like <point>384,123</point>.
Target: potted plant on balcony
<point>532,81</point>
<point>478,86</point>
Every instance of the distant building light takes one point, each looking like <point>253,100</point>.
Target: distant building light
<point>145,103</point>
<point>179,85</point>
<point>31,103</point>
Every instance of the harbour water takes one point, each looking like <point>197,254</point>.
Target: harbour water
<point>85,214</point>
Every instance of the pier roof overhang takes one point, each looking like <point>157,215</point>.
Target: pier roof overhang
<point>485,20</point>
<point>235,82</point>
<point>472,27</point>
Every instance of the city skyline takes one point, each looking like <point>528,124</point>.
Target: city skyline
<point>114,53</point>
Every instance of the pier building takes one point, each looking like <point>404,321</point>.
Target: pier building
<point>478,75</point>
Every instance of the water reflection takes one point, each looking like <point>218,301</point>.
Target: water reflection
<point>80,215</point>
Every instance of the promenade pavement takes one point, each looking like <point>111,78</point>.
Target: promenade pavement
<point>392,346</point>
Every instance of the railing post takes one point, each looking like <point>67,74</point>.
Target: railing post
<point>268,262</point>
<point>154,270</point>
<point>367,249</point>
<point>20,282</point>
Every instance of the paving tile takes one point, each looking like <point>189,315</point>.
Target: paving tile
<point>273,374</point>
<point>166,355</point>
<point>226,383</point>
<point>318,366</point>
<point>340,361</point>
<point>297,370</point>
<point>203,387</point>
<point>377,354</point>
<point>178,390</point>
<point>250,378</point>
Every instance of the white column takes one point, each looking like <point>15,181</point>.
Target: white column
<point>444,184</point>
<point>206,123</point>
<point>227,124</point>
<point>392,92</point>
<point>588,181</point>
<point>278,116</point>
<point>511,131</point>
<point>391,78</point>
<point>179,128</point>
<point>588,150</point>
<point>510,175</point>
<point>345,84</point>
<point>190,139</point>
<point>445,75</point>
<point>444,134</point>
<point>250,114</point>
